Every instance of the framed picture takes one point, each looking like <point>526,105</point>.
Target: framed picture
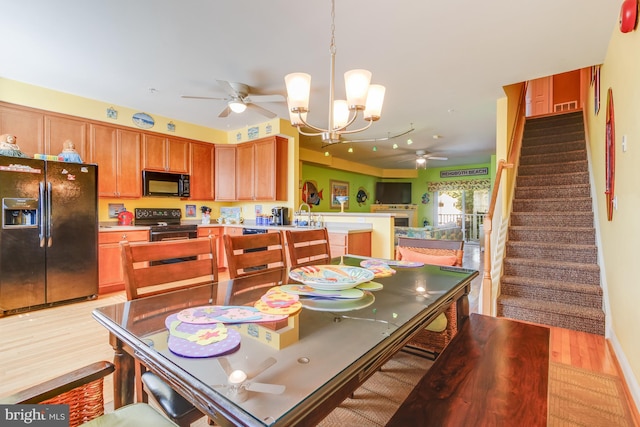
<point>339,188</point>
<point>115,209</point>
<point>191,211</point>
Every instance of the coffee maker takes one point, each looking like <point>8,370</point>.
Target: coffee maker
<point>280,215</point>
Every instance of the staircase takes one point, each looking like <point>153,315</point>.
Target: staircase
<point>550,271</point>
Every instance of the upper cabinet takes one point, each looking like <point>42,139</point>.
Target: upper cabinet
<point>225,172</point>
<point>117,153</point>
<point>165,154</point>
<point>261,169</point>
<point>59,129</point>
<point>202,167</point>
<point>27,126</point>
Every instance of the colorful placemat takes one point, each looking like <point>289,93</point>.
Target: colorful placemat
<point>226,314</point>
<point>263,307</point>
<point>198,340</point>
<point>277,298</point>
<point>379,268</point>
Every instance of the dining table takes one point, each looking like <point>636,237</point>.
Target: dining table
<point>339,343</point>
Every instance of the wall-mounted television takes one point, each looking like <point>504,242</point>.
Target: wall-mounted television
<point>393,193</point>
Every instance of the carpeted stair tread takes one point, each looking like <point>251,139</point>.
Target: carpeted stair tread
<point>552,168</point>
<point>568,316</point>
<point>581,288</point>
<point>561,252</point>
<point>553,158</point>
<point>580,177</point>
<point>576,219</point>
<point>558,191</point>
<point>554,263</point>
<point>553,147</point>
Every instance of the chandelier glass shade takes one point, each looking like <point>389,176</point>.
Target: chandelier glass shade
<point>362,97</point>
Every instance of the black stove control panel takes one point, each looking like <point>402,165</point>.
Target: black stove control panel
<point>155,215</point>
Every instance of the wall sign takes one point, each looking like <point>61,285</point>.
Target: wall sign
<point>464,172</point>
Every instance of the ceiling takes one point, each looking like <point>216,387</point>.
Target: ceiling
<point>443,63</point>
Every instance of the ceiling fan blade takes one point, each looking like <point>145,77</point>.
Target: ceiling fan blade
<point>226,86</point>
<point>203,97</point>
<point>264,98</point>
<point>225,112</point>
<point>436,158</point>
<point>262,366</point>
<point>226,366</point>
<point>263,111</point>
<point>265,388</point>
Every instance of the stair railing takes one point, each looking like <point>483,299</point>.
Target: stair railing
<point>493,256</point>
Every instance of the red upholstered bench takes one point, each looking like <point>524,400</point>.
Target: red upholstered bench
<point>494,372</point>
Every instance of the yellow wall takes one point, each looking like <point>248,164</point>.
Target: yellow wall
<point>619,238</point>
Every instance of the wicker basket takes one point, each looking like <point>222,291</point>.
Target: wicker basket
<point>435,342</point>
<point>86,402</point>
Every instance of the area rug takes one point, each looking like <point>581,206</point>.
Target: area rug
<point>578,397</point>
<point>375,401</point>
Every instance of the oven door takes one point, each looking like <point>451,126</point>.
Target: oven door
<point>158,236</point>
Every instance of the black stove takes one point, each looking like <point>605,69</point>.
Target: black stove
<point>163,221</point>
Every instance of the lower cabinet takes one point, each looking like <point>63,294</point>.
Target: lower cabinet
<point>110,274</point>
<point>216,234</point>
<point>350,243</point>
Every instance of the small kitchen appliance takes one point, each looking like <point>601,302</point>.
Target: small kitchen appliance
<point>280,215</point>
<point>125,218</point>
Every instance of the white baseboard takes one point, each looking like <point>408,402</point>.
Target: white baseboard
<point>629,377</point>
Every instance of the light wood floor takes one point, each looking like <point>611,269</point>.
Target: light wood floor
<point>42,344</point>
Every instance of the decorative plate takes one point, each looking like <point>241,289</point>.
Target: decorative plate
<point>370,286</point>
<point>331,277</point>
<point>143,120</point>
<point>209,314</point>
<point>338,305</point>
<point>304,290</point>
<point>391,262</point>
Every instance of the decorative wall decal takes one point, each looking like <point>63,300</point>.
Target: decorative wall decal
<point>171,127</point>
<point>310,193</point>
<point>609,153</point>
<point>253,132</point>
<point>362,196</point>
<point>143,120</point>
<point>112,113</point>
<point>425,198</point>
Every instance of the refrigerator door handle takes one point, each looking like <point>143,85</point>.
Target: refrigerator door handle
<point>42,215</point>
<point>49,225</point>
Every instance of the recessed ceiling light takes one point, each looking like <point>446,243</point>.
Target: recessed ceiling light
<point>409,141</point>
<point>326,154</point>
<point>395,146</point>
<point>436,136</point>
<point>375,148</point>
<point>350,149</point>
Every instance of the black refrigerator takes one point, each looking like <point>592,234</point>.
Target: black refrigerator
<point>49,233</point>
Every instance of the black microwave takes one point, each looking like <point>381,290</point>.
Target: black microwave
<point>165,184</point>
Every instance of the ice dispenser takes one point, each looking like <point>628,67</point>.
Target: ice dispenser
<point>19,213</point>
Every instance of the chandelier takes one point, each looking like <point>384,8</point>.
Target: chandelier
<point>361,96</point>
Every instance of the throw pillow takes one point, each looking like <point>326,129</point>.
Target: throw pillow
<point>409,255</point>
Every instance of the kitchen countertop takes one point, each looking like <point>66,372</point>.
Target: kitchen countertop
<point>346,229</point>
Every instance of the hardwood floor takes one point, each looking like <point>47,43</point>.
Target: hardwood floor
<point>42,344</point>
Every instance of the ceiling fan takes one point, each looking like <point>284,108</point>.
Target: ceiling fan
<point>239,99</point>
<point>239,382</point>
<point>422,157</point>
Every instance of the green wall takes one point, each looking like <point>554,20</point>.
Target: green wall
<point>323,175</point>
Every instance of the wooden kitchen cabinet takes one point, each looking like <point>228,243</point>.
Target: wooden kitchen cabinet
<point>59,129</point>
<point>165,154</point>
<point>202,171</point>
<point>225,172</point>
<point>110,274</point>
<point>117,153</point>
<point>26,125</point>
<point>350,243</point>
<point>261,169</point>
<point>216,234</point>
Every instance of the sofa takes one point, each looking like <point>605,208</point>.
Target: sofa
<point>439,232</point>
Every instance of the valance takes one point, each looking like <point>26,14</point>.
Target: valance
<point>466,184</point>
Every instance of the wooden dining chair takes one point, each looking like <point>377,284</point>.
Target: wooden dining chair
<point>308,247</point>
<point>82,390</point>
<point>437,335</point>
<point>152,268</point>
<point>254,253</point>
